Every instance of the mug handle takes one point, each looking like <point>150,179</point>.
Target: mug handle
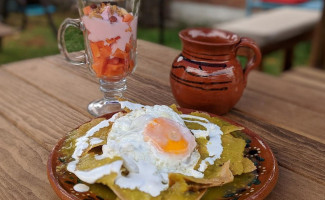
<point>77,60</point>
<point>254,60</point>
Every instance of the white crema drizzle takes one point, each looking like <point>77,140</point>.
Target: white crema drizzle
<point>214,145</point>
<point>81,187</point>
<point>130,105</point>
<point>82,144</point>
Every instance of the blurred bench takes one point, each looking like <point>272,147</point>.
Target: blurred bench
<point>5,30</point>
<point>260,4</point>
<point>276,29</point>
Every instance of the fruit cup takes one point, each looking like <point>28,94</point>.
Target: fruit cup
<point>110,30</point>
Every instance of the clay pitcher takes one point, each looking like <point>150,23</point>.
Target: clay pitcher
<point>207,75</point>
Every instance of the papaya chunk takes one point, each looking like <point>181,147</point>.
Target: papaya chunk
<point>94,49</point>
<point>121,54</point>
<point>127,18</point>
<point>87,10</point>
<point>114,70</point>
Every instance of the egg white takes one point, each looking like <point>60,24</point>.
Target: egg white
<point>141,158</point>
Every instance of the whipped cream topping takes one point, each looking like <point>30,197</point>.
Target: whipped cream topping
<point>101,30</point>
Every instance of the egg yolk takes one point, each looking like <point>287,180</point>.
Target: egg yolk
<point>169,137</point>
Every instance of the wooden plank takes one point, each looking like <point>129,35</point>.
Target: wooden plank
<point>22,166</point>
<point>147,91</point>
<point>37,114</point>
<point>312,73</point>
<point>313,79</point>
<point>302,81</point>
<point>294,186</point>
<point>157,52</point>
<point>294,152</point>
<point>287,91</point>
<point>284,114</point>
<point>54,81</point>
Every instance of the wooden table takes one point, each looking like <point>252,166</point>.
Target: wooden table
<point>42,99</point>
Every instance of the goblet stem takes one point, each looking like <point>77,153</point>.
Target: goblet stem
<point>109,104</point>
<point>112,90</point>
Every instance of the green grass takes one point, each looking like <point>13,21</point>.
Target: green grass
<point>26,45</point>
<point>74,39</point>
<point>38,40</point>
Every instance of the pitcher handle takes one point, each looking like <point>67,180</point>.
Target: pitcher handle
<point>76,60</point>
<point>254,60</point>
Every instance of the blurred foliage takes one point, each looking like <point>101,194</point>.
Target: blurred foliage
<point>74,39</point>
<point>36,40</point>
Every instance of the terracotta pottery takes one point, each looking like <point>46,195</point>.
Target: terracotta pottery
<point>256,149</point>
<point>207,75</point>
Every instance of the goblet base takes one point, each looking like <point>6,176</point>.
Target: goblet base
<point>103,106</point>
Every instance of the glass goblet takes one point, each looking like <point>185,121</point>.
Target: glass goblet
<point>109,29</point>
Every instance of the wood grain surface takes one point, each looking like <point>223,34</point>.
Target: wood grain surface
<point>42,99</point>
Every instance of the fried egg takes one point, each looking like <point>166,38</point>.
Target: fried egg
<point>152,141</point>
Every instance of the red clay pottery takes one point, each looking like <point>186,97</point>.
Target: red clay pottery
<point>207,75</point>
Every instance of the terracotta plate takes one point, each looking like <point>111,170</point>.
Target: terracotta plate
<point>256,149</point>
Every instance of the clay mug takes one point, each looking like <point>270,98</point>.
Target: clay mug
<point>207,75</point>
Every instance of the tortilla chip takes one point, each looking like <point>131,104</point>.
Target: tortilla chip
<point>248,165</point>
<point>221,176</point>
<point>225,126</point>
<point>233,151</point>
<point>69,144</point>
<point>100,134</point>
<point>102,191</point>
<point>89,162</point>
<point>174,107</point>
<point>180,188</point>
<point>82,130</point>
<point>178,191</point>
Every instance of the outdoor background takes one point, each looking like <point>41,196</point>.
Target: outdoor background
<point>38,39</point>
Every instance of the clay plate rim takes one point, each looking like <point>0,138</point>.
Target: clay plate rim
<point>262,193</point>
